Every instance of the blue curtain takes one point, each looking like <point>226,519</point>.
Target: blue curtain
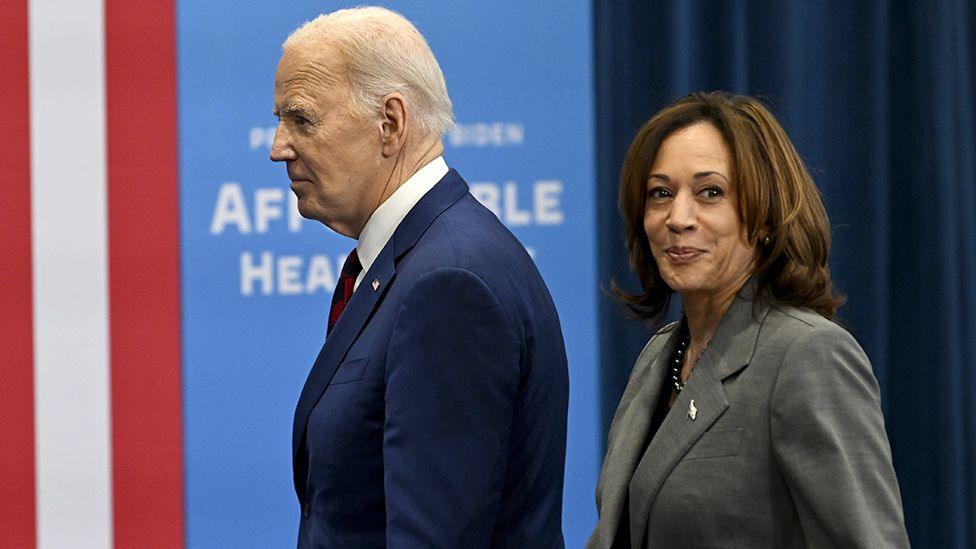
<point>878,97</point>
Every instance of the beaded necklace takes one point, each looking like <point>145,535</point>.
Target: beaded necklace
<point>677,357</point>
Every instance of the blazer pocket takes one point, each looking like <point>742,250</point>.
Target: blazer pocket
<point>349,371</point>
<point>716,444</point>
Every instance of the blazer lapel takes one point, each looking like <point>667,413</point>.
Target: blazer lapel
<point>730,350</point>
<point>676,435</point>
<point>448,190</point>
<point>624,450</point>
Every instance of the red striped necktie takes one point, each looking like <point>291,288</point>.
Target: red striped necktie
<point>343,292</point>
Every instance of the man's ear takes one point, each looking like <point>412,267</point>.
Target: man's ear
<point>393,124</point>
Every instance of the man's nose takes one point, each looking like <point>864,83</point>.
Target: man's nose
<point>683,213</point>
<point>281,149</point>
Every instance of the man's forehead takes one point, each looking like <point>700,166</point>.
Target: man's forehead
<point>316,66</point>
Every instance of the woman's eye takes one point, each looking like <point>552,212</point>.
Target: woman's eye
<point>657,193</point>
<point>712,193</point>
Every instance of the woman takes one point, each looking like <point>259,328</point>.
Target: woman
<point>755,420</point>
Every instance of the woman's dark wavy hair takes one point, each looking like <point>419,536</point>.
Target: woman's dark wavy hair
<point>775,197</point>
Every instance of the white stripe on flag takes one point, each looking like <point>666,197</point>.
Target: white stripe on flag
<point>68,205</point>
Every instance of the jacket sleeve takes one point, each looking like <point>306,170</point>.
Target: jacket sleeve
<point>829,439</point>
<point>451,380</point>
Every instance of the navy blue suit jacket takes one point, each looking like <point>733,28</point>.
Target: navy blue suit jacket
<point>435,413</point>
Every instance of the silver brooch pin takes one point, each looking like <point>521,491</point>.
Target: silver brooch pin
<point>692,411</point>
<point>376,284</point>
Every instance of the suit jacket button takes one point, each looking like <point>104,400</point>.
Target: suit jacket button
<point>306,510</point>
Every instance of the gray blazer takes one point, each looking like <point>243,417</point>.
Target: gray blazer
<point>777,440</point>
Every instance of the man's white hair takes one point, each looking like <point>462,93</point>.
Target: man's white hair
<point>383,53</point>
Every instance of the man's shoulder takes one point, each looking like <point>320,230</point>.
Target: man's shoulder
<point>467,235</point>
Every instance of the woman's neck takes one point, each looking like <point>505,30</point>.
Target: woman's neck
<point>704,312</point>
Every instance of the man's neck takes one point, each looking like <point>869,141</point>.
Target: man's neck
<point>408,162</point>
<point>381,225</point>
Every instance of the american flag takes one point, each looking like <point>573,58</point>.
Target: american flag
<point>90,397</point>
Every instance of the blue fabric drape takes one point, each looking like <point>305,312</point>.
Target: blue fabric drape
<point>878,97</point>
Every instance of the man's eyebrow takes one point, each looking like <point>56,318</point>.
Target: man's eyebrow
<point>291,109</point>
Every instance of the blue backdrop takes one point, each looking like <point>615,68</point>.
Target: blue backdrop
<point>257,279</point>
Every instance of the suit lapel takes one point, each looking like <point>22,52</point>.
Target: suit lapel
<point>730,350</point>
<point>354,316</point>
<point>445,193</point>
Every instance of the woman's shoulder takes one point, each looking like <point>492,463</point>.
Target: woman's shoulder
<point>656,342</point>
<point>666,329</point>
<point>654,346</point>
<point>791,323</point>
<point>801,336</point>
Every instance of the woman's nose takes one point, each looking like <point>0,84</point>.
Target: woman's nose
<point>682,215</point>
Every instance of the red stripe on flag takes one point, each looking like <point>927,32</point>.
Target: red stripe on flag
<point>16,321</point>
<point>144,288</point>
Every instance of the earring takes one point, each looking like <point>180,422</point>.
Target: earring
<point>765,240</point>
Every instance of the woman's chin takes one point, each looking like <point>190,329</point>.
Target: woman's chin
<point>683,283</point>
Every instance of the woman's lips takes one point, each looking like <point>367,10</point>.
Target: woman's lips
<point>680,255</point>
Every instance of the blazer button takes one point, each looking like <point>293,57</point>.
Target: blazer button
<point>306,510</point>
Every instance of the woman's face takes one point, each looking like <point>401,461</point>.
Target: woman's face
<point>690,218</point>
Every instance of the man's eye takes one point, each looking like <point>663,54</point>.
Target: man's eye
<point>302,121</point>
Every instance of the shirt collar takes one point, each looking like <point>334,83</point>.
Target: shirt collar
<point>387,217</point>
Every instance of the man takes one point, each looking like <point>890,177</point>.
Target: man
<point>435,413</point>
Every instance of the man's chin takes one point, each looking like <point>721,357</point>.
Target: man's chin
<point>305,210</point>
<point>314,214</point>
<point>307,215</point>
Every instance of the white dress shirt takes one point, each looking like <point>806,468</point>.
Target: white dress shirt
<point>387,217</point>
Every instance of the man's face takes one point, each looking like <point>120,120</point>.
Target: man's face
<point>332,153</point>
